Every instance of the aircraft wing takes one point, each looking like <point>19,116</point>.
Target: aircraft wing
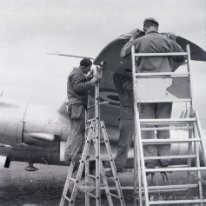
<point>111,56</point>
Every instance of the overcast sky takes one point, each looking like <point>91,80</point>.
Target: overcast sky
<point>29,29</point>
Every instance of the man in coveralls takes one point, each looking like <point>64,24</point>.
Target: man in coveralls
<point>154,42</point>
<point>79,83</point>
<point>124,86</point>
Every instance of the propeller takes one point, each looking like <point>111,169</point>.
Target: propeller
<point>69,55</point>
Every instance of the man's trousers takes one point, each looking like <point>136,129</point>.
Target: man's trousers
<point>156,111</point>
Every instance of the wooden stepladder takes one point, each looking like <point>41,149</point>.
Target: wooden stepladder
<point>164,87</point>
<point>95,136</point>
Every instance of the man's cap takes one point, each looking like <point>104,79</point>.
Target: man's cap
<point>150,19</point>
<point>85,62</point>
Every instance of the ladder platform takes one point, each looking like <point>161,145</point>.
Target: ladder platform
<point>168,121</point>
<point>170,157</point>
<point>178,169</point>
<point>163,141</point>
<point>167,202</point>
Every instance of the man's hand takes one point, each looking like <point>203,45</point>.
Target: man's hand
<point>89,75</point>
<point>171,36</point>
<point>94,80</point>
<point>134,34</point>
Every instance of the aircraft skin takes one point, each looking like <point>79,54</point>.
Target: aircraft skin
<point>32,132</point>
<point>37,134</point>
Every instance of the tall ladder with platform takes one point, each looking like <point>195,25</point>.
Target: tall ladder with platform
<point>163,87</point>
<point>95,135</point>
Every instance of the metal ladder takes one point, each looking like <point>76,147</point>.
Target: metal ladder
<point>95,130</point>
<point>168,91</point>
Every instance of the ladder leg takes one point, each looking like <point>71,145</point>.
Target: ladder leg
<point>76,181</point>
<point>87,199</point>
<point>112,164</point>
<point>66,186</point>
<point>106,185</point>
<point>198,165</point>
<point>80,172</point>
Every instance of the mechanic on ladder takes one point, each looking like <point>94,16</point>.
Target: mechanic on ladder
<point>80,81</point>
<point>154,42</point>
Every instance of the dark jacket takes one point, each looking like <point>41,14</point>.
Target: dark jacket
<point>124,88</point>
<point>153,42</point>
<point>78,87</point>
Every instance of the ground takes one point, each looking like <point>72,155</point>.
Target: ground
<point>40,188</point>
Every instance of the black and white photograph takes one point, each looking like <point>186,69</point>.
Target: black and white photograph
<point>102,102</point>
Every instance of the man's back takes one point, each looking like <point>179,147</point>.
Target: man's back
<point>77,87</point>
<point>153,42</point>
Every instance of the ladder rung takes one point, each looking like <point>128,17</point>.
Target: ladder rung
<point>92,158</point>
<point>170,157</point>
<point>91,195</point>
<point>90,120</point>
<point>168,121</point>
<point>87,188</point>
<point>67,198</point>
<point>163,141</point>
<point>72,179</point>
<point>170,74</point>
<point>164,101</point>
<point>160,54</point>
<point>105,159</point>
<point>169,169</point>
<point>168,188</point>
<point>113,195</point>
<point>101,103</point>
<point>92,176</point>
<point>166,128</point>
<point>176,202</point>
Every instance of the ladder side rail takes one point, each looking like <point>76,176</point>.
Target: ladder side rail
<point>87,198</point>
<point>106,185</point>
<point>200,187</point>
<point>87,163</point>
<point>139,156</point>
<point>97,145</point>
<point>80,172</point>
<point>66,186</point>
<point>137,163</point>
<point>190,77</point>
<point>199,130</point>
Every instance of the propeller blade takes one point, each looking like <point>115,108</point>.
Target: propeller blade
<point>69,55</point>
